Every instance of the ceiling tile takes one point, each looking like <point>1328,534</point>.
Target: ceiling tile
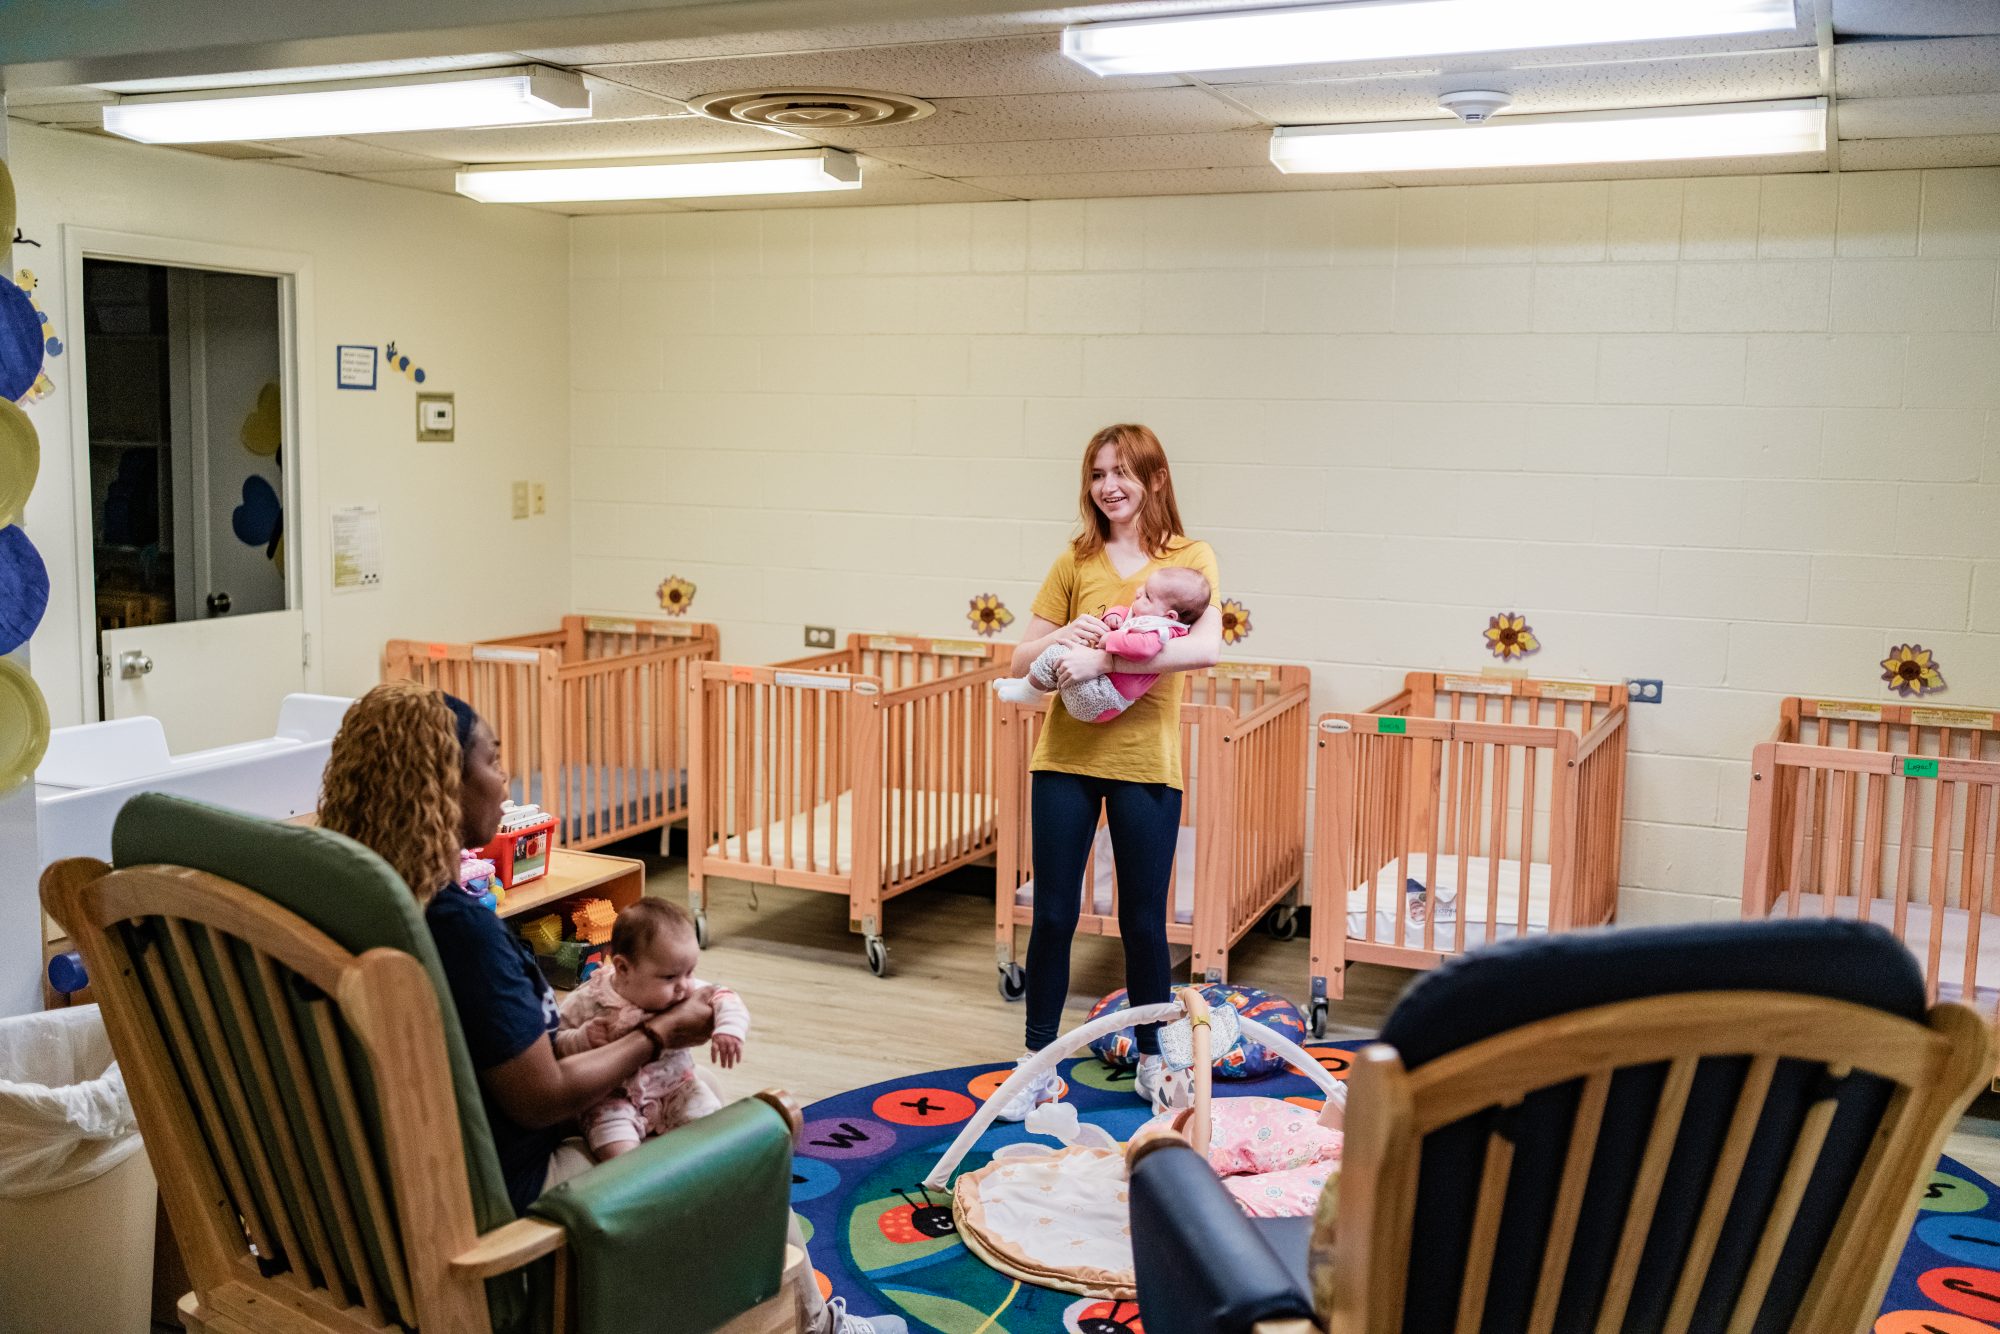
<point>352,155</point>
<point>1211,181</point>
<point>992,120</point>
<point>1141,152</point>
<point>1745,77</point>
<point>611,99</point>
<point>589,138</point>
<point>58,113</point>
<point>988,67</point>
<point>1919,117</point>
<point>706,46</point>
<point>1915,18</point>
<point>1964,150</point>
<point>1918,68</point>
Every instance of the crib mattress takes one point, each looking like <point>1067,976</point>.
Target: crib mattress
<point>939,819</point>
<point>1104,874</point>
<point>1392,892</point>
<point>608,798</point>
<point>1916,938</point>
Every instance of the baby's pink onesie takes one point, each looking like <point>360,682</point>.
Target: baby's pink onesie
<point>663,1093</point>
<point>1137,638</point>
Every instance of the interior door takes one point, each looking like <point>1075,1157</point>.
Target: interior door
<point>210,682</point>
<point>189,442</point>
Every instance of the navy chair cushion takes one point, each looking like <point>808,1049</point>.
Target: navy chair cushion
<point>1202,1267</point>
<point>1493,990</point>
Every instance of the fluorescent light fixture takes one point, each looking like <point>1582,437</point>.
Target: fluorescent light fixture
<point>1397,29</point>
<point>691,177</point>
<point>524,95</point>
<point>1654,134</point>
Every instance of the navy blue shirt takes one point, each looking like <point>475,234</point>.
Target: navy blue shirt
<point>505,1007</point>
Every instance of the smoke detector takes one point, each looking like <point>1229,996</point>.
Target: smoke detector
<point>1475,105</point>
<point>812,108</point>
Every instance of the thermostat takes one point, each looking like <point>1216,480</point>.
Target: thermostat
<point>435,417</point>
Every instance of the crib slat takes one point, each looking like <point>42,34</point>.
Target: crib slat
<point>1569,1201</point>
<point>1940,871</point>
<point>1479,1248</point>
<point>1646,1193</point>
<point>1784,1208</point>
<point>1496,837</point>
<point>1721,1190</point>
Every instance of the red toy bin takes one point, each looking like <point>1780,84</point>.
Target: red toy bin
<point>521,856</point>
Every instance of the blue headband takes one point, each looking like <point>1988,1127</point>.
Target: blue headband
<point>462,719</point>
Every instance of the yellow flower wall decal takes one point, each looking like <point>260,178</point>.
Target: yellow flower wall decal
<point>1911,670</point>
<point>989,615</point>
<point>1509,636</point>
<point>1235,621</point>
<point>263,429</point>
<point>676,595</point>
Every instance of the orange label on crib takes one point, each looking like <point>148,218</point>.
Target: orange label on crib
<point>1952,718</point>
<point>437,650</point>
<point>1853,711</point>
<point>742,673</point>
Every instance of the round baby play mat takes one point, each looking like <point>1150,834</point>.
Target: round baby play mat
<point>887,1245</point>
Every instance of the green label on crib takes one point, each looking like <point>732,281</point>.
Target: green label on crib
<point>1399,725</point>
<point>1919,768</point>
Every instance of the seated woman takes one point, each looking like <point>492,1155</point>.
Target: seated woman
<point>415,775</point>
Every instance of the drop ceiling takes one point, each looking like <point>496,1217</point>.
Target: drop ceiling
<point>1913,83</point>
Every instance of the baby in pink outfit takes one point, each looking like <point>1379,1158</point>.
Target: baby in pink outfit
<point>1170,601</point>
<point>653,953</point>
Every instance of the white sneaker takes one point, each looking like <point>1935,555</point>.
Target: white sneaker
<point>1041,1089</point>
<point>1165,1089</point>
<point>840,1322</point>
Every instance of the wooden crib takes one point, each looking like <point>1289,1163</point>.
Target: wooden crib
<point>1240,853</point>
<point>1513,788</point>
<point>1885,813</point>
<point>866,771</point>
<point>592,717</point>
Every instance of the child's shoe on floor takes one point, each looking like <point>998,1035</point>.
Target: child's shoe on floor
<point>1043,1088</point>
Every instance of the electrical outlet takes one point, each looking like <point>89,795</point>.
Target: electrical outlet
<point>541,498</point>
<point>819,636</point>
<point>1645,690</point>
<point>520,500</point>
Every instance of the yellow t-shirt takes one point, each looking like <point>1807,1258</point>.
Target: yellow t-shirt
<point>1142,744</point>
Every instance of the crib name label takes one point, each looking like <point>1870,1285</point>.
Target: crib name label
<point>1915,767</point>
<point>1566,690</point>
<point>482,653</point>
<point>608,625</point>
<point>1473,685</point>
<point>1335,725</point>
<point>1240,671</point>
<point>960,648</point>
<point>811,680</point>
<point>890,644</point>
<point>1852,711</point>
<point>1952,718</point>
<point>1399,726</point>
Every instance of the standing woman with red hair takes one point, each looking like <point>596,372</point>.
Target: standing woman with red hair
<point>1128,768</point>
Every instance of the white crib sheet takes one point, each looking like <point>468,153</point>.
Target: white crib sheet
<point>1104,874</point>
<point>1391,893</point>
<point>945,818</point>
<point>1916,938</point>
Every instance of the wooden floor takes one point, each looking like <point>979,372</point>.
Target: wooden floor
<point>822,1024</point>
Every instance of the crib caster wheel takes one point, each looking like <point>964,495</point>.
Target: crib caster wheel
<point>878,955</point>
<point>1319,1018</point>
<point>701,929</point>
<point>1283,923</point>
<point>1013,982</point>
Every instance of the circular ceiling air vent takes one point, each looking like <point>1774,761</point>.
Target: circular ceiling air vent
<point>812,108</point>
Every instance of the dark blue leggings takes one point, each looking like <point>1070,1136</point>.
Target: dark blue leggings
<point>1145,821</point>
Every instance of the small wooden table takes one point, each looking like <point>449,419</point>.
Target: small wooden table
<point>570,874</point>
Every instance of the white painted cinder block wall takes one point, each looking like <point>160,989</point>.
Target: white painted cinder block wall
<point>477,293</point>
<point>1740,433</point>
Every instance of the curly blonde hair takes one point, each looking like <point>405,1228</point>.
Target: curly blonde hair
<point>392,783</point>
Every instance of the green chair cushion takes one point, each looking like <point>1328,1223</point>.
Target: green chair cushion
<point>698,1217</point>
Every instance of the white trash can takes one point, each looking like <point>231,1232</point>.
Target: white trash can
<point>77,1196</point>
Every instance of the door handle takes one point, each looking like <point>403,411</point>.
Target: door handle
<point>133,663</point>
<point>218,604</point>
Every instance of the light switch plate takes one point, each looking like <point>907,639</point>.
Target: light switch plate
<point>520,500</point>
<point>437,417</point>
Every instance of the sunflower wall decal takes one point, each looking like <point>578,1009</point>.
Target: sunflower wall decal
<point>989,615</point>
<point>676,595</point>
<point>1509,636</point>
<point>1235,621</point>
<point>1911,671</point>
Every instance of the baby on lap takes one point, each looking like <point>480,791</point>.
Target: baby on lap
<point>1171,601</point>
<point>653,954</point>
